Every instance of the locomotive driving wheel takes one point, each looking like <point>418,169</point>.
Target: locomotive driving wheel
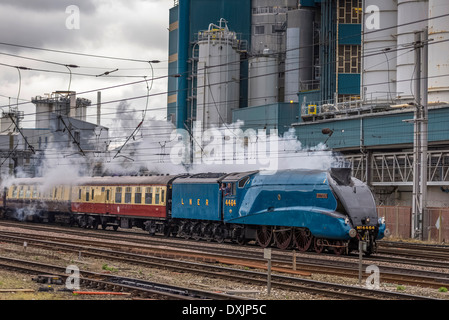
<point>302,238</point>
<point>339,247</point>
<point>264,236</point>
<point>319,245</point>
<point>283,238</point>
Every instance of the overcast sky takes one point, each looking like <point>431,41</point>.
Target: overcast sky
<point>132,29</point>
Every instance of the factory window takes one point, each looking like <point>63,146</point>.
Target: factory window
<point>259,30</point>
<point>349,59</point>
<point>148,195</point>
<point>118,195</point>
<point>350,11</point>
<point>138,195</point>
<point>128,193</point>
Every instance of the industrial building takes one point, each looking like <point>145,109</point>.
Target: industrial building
<point>352,67</point>
<point>60,124</point>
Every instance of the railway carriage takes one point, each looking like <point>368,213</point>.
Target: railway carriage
<point>30,199</point>
<point>121,201</point>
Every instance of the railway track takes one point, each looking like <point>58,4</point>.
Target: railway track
<point>253,277</point>
<point>306,262</point>
<point>139,288</point>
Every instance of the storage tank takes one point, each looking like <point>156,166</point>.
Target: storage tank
<point>218,75</point>
<point>263,84</point>
<point>408,11</point>
<point>379,54</point>
<point>438,55</point>
<point>299,53</point>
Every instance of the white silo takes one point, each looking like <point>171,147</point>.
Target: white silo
<point>218,75</point>
<point>438,56</point>
<point>379,50</point>
<point>409,11</point>
<point>262,84</point>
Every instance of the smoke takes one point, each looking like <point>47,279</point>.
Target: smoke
<point>152,146</point>
<point>158,148</point>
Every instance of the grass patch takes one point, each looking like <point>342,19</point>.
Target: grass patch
<point>108,268</point>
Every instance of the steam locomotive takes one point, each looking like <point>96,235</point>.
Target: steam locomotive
<point>308,209</point>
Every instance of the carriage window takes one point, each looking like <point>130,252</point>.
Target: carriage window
<point>35,192</point>
<point>128,194</point>
<point>93,194</point>
<point>14,192</point>
<point>157,195</point>
<point>118,195</point>
<point>79,193</point>
<point>107,194</point>
<point>87,194</point>
<point>21,192</point>
<point>148,195</point>
<point>138,195</point>
<point>163,196</point>
<point>28,192</point>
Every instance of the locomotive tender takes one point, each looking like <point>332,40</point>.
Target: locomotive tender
<point>310,209</point>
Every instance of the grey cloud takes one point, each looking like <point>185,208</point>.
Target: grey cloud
<point>87,6</point>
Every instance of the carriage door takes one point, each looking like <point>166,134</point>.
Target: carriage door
<point>107,199</point>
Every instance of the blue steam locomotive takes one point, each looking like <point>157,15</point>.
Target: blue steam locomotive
<point>307,209</point>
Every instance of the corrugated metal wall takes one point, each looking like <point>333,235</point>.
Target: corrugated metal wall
<point>398,220</point>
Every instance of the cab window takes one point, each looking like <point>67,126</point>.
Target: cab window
<point>243,182</point>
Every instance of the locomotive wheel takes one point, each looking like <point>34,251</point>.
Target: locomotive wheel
<point>219,233</point>
<point>185,230</point>
<point>339,249</point>
<point>283,238</point>
<point>303,239</point>
<point>318,244</point>
<point>264,236</point>
<point>196,231</point>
